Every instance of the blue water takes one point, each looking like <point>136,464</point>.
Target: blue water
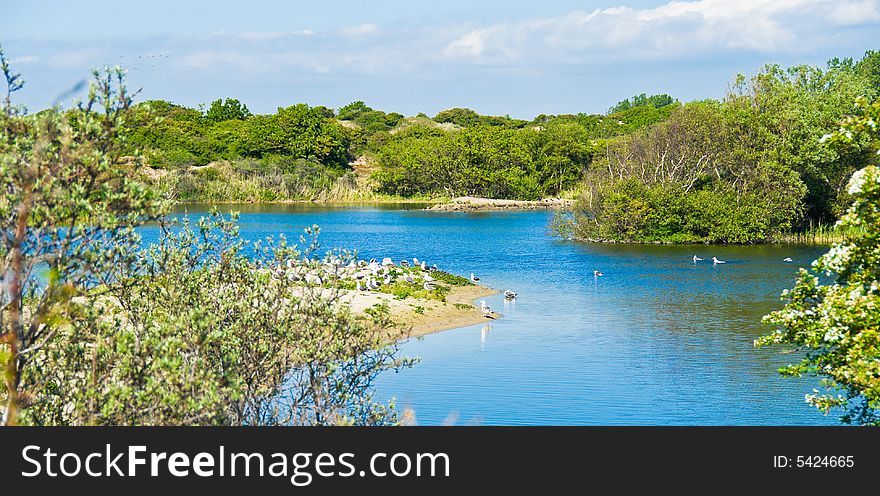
<point>656,341</point>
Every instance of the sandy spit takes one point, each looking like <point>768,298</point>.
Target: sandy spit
<point>473,204</point>
<point>415,317</point>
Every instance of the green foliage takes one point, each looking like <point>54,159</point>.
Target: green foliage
<point>750,168</point>
<point>837,323</point>
<point>490,161</point>
<point>171,136</point>
<point>194,332</point>
<point>250,180</point>
<point>68,209</point>
<point>98,329</point>
<point>228,109</point>
<point>465,117</point>
<point>451,279</point>
<point>372,121</point>
<point>655,101</point>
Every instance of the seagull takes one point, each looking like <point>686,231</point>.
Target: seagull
<point>485,308</point>
<point>697,259</point>
<point>408,278</point>
<point>596,273</point>
<point>429,278</point>
<point>404,263</point>
<point>427,286</point>
<point>415,261</point>
<point>387,280</point>
<point>425,268</point>
<point>474,278</point>
<point>359,287</point>
<point>373,284</point>
<point>715,261</point>
<point>386,262</point>
<point>787,260</point>
<point>509,294</point>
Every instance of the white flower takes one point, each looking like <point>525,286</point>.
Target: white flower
<point>857,182</point>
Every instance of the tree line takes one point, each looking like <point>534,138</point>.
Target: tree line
<point>749,167</point>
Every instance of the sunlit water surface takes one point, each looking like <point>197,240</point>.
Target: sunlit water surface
<point>657,340</point>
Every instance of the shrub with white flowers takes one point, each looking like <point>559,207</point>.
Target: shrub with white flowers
<point>833,312</point>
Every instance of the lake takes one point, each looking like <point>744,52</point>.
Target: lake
<point>657,340</point>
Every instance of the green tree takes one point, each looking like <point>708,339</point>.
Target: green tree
<point>351,111</point>
<point>227,109</point>
<point>642,100</point>
<point>197,332</point>
<point>68,209</point>
<point>833,312</point>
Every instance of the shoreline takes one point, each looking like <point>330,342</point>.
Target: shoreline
<point>477,204</point>
<point>460,204</point>
<point>416,317</point>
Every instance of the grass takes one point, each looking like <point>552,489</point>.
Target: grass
<point>823,234</point>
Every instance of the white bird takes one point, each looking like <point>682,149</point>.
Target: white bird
<point>428,278</point>
<point>423,266</point>
<point>387,280</point>
<point>289,264</point>
<point>509,294</point>
<point>787,260</point>
<point>386,262</point>
<point>485,308</point>
<point>404,263</point>
<point>474,278</point>
<point>715,261</point>
<point>415,261</point>
<point>697,259</point>
<point>596,273</point>
<point>359,287</point>
<point>373,284</point>
<point>427,286</point>
<point>408,278</point>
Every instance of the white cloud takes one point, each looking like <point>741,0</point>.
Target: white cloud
<point>366,29</point>
<point>675,29</point>
<point>262,36</point>
<point>25,59</point>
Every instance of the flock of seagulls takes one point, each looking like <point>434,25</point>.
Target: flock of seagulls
<point>373,274</point>
<point>715,261</point>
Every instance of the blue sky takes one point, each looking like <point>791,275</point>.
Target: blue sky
<point>515,57</point>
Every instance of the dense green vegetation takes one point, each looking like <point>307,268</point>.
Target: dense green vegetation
<point>227,154</point>
<point>748,168</point>
<point>837,324</point>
